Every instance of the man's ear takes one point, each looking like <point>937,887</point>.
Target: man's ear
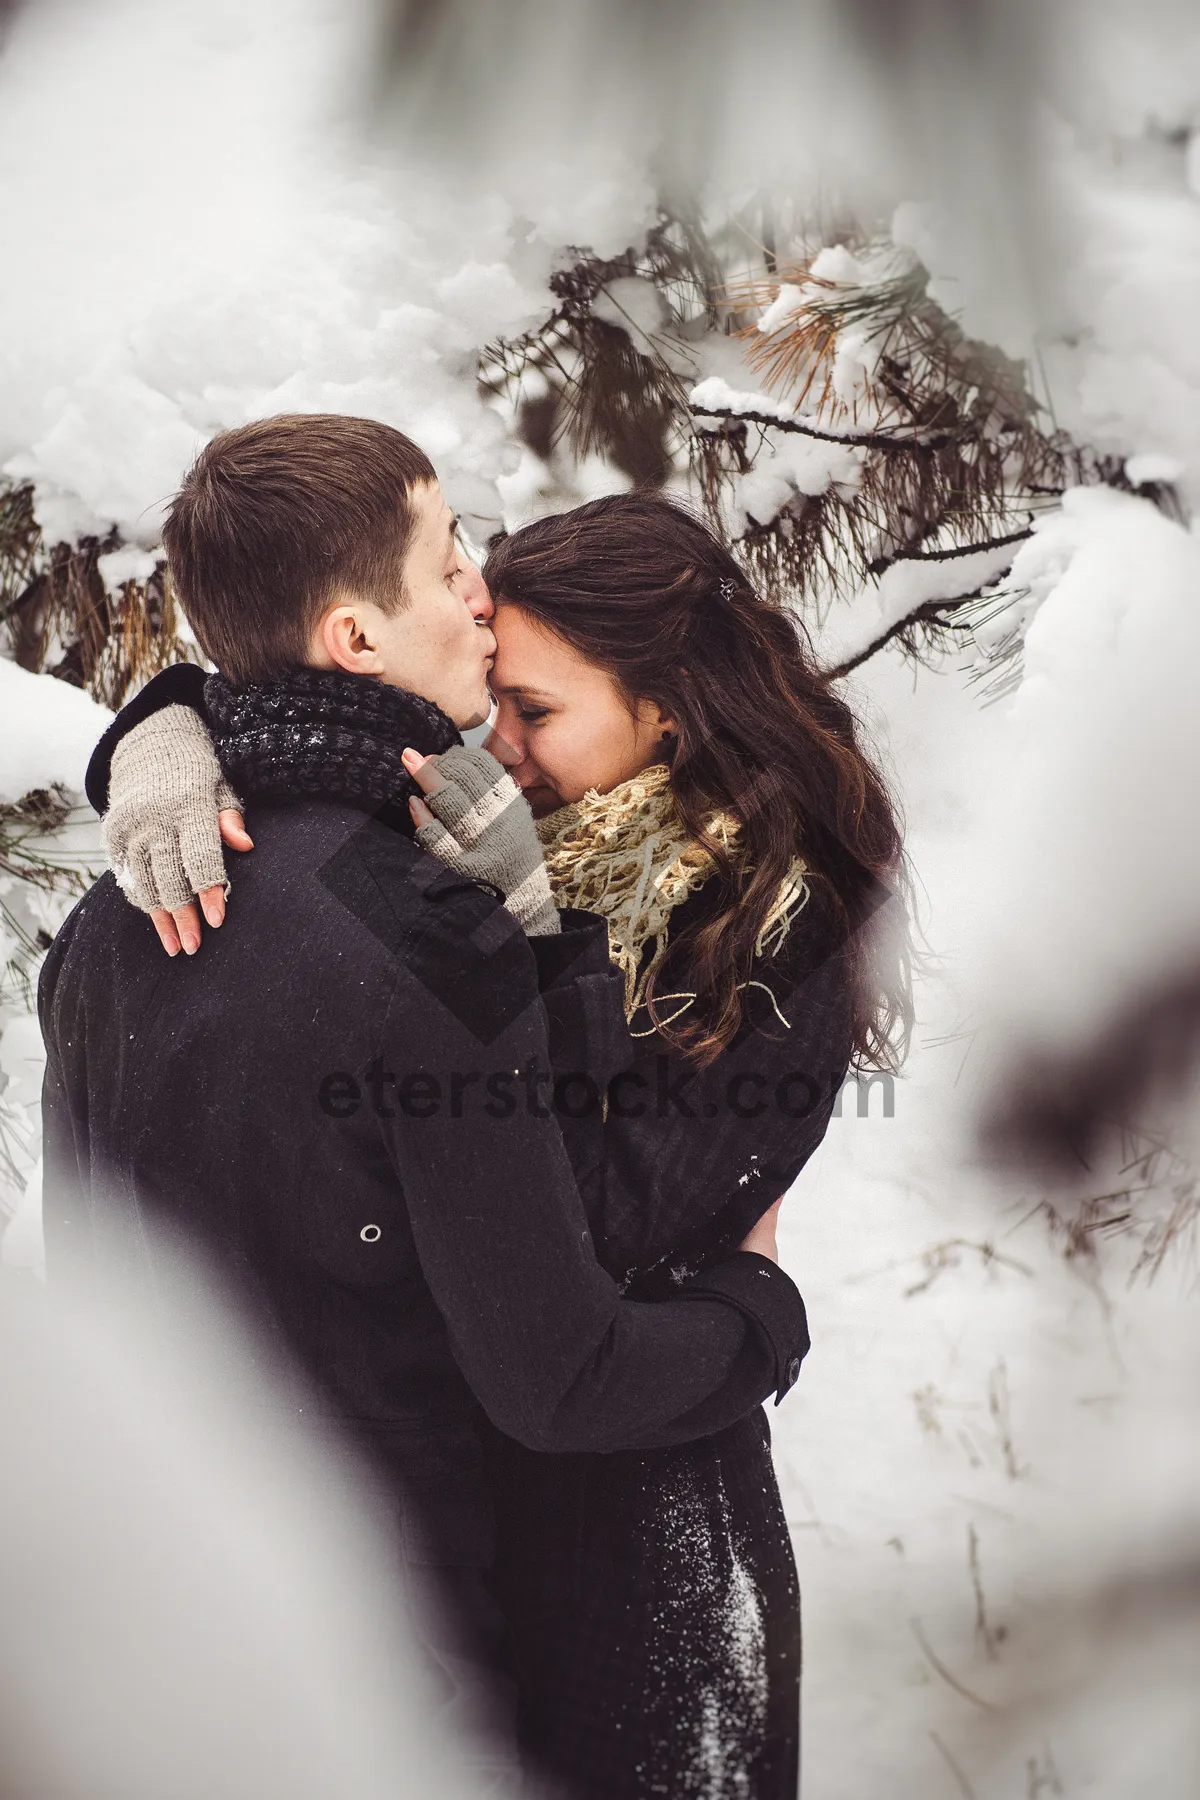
<point>345,638</point>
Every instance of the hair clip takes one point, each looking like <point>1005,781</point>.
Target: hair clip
<point>727,587</point>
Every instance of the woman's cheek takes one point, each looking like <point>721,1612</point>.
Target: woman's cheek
<point>585,758</point>
<point>540,752</point>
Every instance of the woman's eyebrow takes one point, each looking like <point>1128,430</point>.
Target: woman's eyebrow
<point>519,687</point>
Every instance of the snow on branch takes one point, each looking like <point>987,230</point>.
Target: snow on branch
<point>714,399</point>
<point>919,594</point>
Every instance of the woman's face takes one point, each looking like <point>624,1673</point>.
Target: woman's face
<point>562,724</point>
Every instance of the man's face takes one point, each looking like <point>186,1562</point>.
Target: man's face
<point>440,644</point>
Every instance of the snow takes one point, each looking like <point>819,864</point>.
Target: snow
<point>793,465</point>
<point>1099,769</point>
<point>859,347</point>
<point>854,362</point>
<point>1151,467</point>
<point>1137,290</point>
<point>48,730</point>
<point>633,304</point>
<point>267,1648</point>
<point>126,564</point>
<point>788,301</point>
<point>849,629</point>
<point>1106,306</point>
<point>252,269</point>
<point>715,395</point>
<point>725,1692</point>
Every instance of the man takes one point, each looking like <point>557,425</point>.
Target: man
<point>344,1098</point>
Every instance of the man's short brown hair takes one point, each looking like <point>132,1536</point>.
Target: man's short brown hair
<point>275,518</point>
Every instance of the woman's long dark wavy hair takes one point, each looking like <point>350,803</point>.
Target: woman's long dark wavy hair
<point>643,589</point>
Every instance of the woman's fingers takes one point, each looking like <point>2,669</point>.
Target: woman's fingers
<point>212,905</point>
<point>233,831</point>
<point>178,929</point>
<point>187,924</point>
<point>168,937</point>
<point>421,814</point>
<point>423,770</point>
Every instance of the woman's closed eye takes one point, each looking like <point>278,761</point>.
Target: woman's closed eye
<point>529,715</point>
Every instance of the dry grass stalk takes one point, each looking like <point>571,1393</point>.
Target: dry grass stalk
<point>58,616</point>
<point>989,1635</point>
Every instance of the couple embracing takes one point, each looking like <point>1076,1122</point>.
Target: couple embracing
<point>484,1095</point>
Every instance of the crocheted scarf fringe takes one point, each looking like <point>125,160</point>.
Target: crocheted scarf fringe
<point>627,856</point>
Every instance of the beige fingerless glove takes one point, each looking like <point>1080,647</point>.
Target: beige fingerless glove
<point>165,791</point>
<point>484,828</point>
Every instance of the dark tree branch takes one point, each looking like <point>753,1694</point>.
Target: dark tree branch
<point>928,556</point>
<point>930,612</point>
<point>869,440</point>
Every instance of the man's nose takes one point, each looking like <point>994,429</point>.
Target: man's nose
<point>475,592</point>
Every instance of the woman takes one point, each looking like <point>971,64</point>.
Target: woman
<point>698,784</point>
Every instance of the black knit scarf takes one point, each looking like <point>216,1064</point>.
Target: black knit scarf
<point>321,732</point>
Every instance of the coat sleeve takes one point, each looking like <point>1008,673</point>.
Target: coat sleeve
<point>686,1159</point>
<point>589,1043</point>
<point>556,1357</point>
<point>66,1212</point>
<point>180,685</point>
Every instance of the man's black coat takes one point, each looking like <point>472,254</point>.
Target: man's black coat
<point>344,1096</point>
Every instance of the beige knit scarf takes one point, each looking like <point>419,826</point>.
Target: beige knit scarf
<point>628,856</point>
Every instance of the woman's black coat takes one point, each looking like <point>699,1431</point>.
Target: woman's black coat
<point>653,1596</point>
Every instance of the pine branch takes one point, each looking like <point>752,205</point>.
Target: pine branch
<point>954,464</point>
<point>871,440</point>
<point>960,453</point>
<point>929,613</point>
<point>951,553</point>
<point>25,859</point>
<point>23,823</point>
<point>612,390</point>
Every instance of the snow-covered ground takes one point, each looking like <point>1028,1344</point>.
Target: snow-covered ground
<point>976,1408</point>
